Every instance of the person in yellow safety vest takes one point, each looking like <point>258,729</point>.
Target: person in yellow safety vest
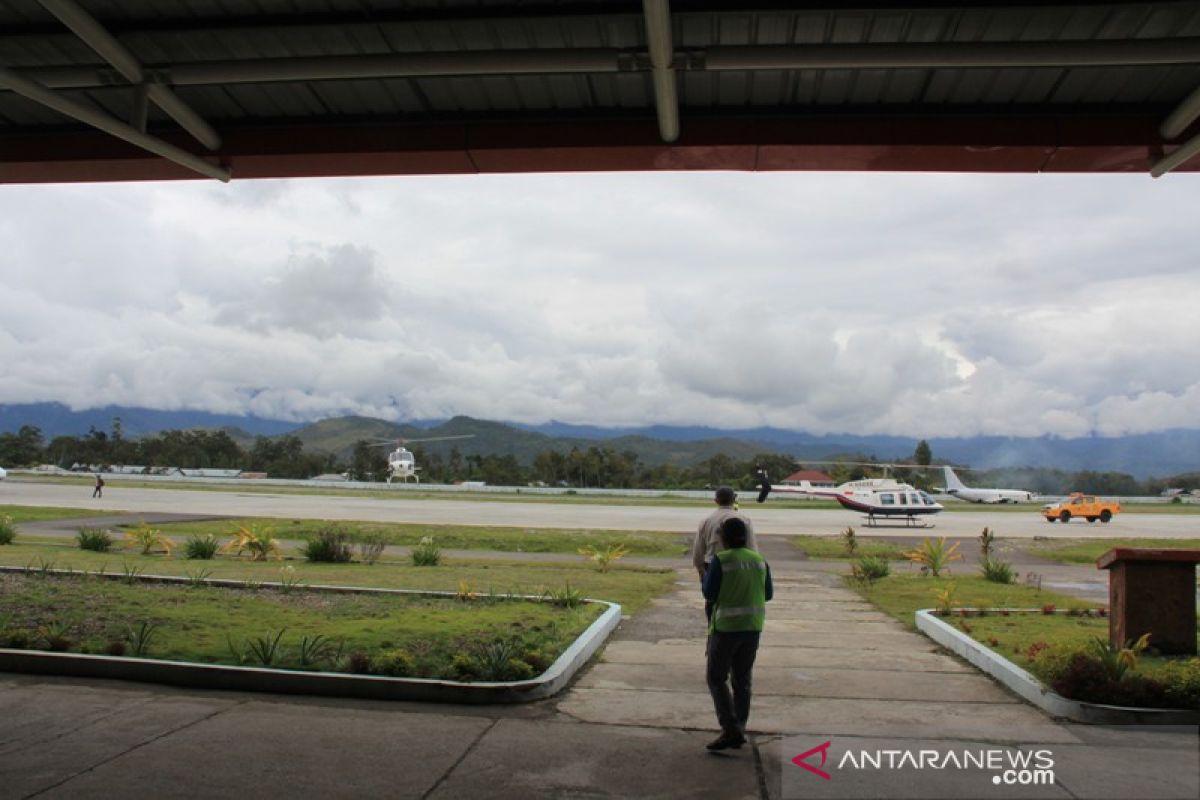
<point>738,584</point>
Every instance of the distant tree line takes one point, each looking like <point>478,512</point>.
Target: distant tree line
<point>593,467</point>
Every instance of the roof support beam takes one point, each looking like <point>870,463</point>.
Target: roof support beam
<point>98,119</point>
<point>1189,150</point>
<point>662,58</point>
<point>1147,52</point>
<point>958,55</point>
<point>85,26</point>
<point>1184,115</point>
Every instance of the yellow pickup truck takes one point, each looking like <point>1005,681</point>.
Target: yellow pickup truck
<point>1087,506</point>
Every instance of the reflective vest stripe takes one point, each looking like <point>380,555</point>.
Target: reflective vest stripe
<point>759,565</point>
<point>741,611</point>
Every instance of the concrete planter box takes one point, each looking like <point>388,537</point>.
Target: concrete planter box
<point>331,684</point>
<point>1030,688</point>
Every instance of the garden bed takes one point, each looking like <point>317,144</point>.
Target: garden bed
<point>1030,687</point>
<point>284,637</point>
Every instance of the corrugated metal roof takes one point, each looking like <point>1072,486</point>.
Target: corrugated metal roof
<point>165,37</point>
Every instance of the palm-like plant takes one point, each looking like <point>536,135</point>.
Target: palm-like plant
<point>149,539</point>
<point>934,557</point>
<point>258,540</point>
<point>604,555</point>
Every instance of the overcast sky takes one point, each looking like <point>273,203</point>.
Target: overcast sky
<point>926,305</point>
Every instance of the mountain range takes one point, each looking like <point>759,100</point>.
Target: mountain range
<point>1142,455</point>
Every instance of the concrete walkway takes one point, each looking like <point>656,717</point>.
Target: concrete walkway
<point>634,725</point>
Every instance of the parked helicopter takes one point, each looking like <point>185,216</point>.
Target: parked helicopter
<point>875,497</point>
<point>402,463</point>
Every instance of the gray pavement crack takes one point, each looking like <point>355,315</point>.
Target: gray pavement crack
<point>460,759</point>
<point>87,723</point>
<point>131,749</point>
<point>759,771</point>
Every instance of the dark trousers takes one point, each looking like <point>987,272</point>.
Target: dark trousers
<point>731,660</point>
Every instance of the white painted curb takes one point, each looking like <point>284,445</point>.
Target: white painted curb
<point>1036,692</point>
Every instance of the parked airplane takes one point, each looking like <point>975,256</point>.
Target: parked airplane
<point>956,488</point>
<point>875,497</point>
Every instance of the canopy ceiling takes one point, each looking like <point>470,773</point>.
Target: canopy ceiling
<point>99,90</point>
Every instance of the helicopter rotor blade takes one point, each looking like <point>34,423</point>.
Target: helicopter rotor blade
<point>440,438</point>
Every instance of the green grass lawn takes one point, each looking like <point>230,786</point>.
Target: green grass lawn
<point>1086,551</point>
<point>420,636</point>
<point>900,595</point>
<point>457,537</point>
<point>834,547</point>
<point>20,514</point>
<point>633,587</point>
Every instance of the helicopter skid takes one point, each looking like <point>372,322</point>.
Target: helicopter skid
<point>909,522</point>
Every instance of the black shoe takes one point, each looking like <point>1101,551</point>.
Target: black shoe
<point>727,739</point>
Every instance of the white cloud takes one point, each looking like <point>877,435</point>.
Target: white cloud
<point>907,304</point>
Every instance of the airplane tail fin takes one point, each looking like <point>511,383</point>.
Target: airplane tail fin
<point>952,481</point>
<point>764,486</point>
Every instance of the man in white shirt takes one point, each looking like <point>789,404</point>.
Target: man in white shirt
<point>708,537</point>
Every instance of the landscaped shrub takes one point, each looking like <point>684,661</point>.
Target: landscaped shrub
<point>944,599</point>
<point>331,545</point>
<point>201,547</point>
<point>849,542</point>
<point>8,531</point>
<point>149,539</point>
<point>359,663</point>
<point>16,639</point>
<point>258,540</point>
<point>986,540</point>
<point>95,539</point>
<point>427,553</point>
<point>1182,681</point>
<point>397,663</point>
<point>370,546</point>
<point>500,661</point>
<point>565,597</point>
<point>869,569</point>
<point>465,667</point>
<point>1082,676</point>
<point>603,556</point>
<point>997,571</point>
<point>934,556</point>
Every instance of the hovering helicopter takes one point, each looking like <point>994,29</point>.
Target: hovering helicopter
<point>875,497</point>
<point>402,463</point>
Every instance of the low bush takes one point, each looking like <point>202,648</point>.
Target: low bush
<point>95,539</point>
<point>934,557</point>
<point>148,539</point>
<point>258,540</point>
<point>602,556</point>
<point>427,553</point>
<point>397,663</point>
<point>370,546</point>
<point>870,569</point>
<point>8,531</point>
<point>500,661</point>
<point>201,547</point>
<point>1182,681</point>
<point>997,571</point>
<point>330,545</point>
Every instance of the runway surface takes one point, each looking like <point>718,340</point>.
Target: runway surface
<point>767,520</point>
